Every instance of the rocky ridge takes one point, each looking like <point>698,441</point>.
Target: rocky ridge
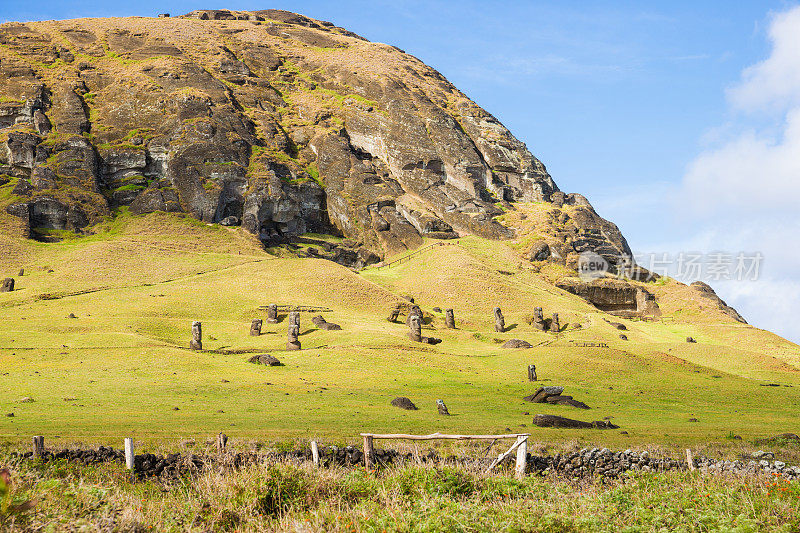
<point>269,119</point>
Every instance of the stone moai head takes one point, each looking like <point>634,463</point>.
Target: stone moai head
<point>449,318</point>
<point>538,315</point>
<point>255,327</point>
<point>442,407</point>
<point>292,342</point>
<point>272,314</point>
<point>415,311</point>
<point>499,321</point>
<point>8,285</point>
<point>294,318</point>
<point>415,328</point>
<point>555,327</point>
<point>197,336</point>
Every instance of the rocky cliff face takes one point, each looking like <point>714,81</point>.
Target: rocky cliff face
<point>272,120</point>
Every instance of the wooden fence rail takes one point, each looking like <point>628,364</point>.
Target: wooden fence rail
<point>520,445</point>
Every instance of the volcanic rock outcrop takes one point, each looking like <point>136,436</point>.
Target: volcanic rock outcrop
<point>272,120</point>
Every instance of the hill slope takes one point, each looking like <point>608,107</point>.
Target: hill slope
<point>158,172</point>
<point>123,364</point>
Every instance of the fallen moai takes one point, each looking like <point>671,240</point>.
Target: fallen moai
<point>321,323</point>
<point>552,395</point>
<point>555,421</point>
<point>265,359</point>
<point>516,343</point>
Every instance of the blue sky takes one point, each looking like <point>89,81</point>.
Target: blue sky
<point>637,105</point>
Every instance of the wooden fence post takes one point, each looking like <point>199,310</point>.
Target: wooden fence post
<point>315,452</point>
<point>222,441</point>
<point>522,457</point>
<point>368,451</point>
<point>38,445</point>
<point>129,457</point>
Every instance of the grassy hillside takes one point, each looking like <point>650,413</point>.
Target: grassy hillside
<point>122,366</point>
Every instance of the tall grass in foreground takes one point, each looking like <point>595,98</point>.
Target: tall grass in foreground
<point>410,498</point>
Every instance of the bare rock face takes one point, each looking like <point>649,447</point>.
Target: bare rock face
<point>706,291</point>
<point>235,117</point>
<point>615,296</point>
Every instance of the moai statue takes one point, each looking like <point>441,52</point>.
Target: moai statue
<point>450,319</point>
<point>415,327</point>
<point>292,341</point>
<point>499,321</point>
<point>532,373</point>
<point>272,314</point>
<point>442,408</point>
<point>538,319</point>
<point>415,311</point>
<point>21,272</point>
<point>197,336</point>
<point>394,314</point>
<point>255,327</point>
<point>555,327</point>
<point>294,318</point>
<point>8,285</point>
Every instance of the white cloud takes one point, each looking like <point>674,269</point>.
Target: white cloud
<point>774,83</point>
<point>742,192</point>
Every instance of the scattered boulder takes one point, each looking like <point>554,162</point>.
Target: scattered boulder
<point>623,337</point>
<point>26,399</point>
<point>782,438</point>
<point>71,315</point>
<point>619,325</point>
<point>690,340</point>
<point>516,343</point>
<point>8,285</point>
<point>554,421</point>
<point>321,323</point>
<point>230,221</point>
<point>404,403</point>
<point>265,359</point>
<point>394,313</point>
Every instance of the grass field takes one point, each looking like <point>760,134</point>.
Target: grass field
<point>122,366</point>
<point>285,497</point>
